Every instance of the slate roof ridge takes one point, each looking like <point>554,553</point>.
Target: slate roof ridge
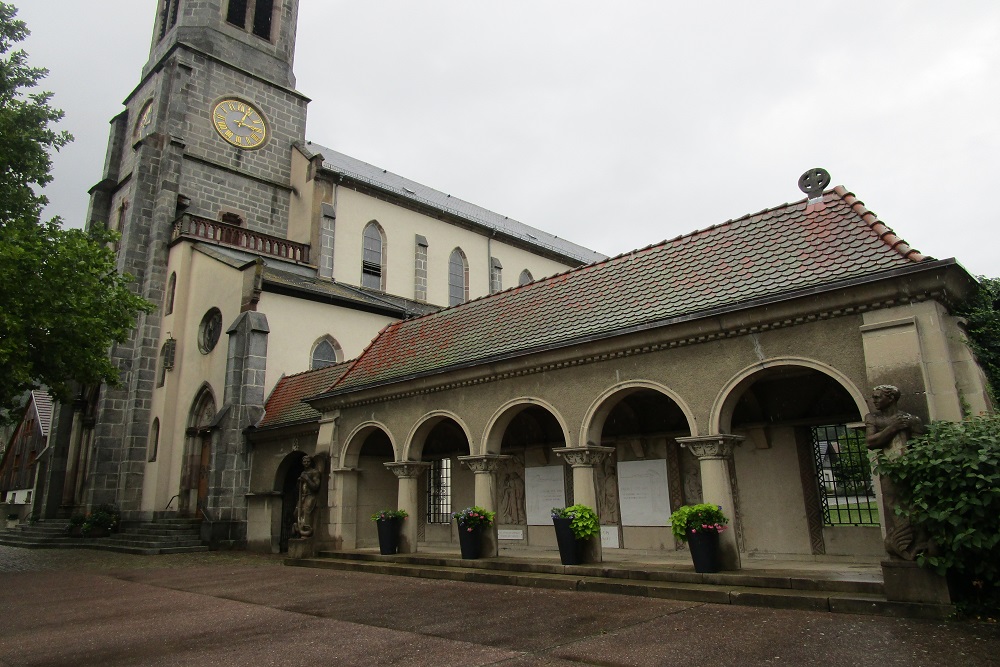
<point>884,232</point>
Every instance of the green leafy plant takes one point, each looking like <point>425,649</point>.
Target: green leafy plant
<point>77,520</point>
<point>982,317</point>
<point>389,515</point>
<point>702,518</point>
<point>98,520</point>
<point>474,517</point>
<point>111,511</point>
<point>585,524</point>
<point>949,483</point>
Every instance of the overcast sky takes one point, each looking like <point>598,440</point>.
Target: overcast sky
<point>612,125</point>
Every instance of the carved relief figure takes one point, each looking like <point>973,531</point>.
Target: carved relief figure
<point>512,508</point>
<point>887,429</point>
<point>309,482</point>
<point>607,491</point>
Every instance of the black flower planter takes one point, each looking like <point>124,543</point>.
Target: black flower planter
<point>570,548</point>
<point>704,548</point>
<point>471,541</point>
<point>388,536</point>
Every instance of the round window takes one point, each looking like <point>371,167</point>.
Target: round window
<point>210,330</point>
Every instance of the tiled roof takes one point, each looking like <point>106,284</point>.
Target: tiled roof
<point>425,196</point>
<point>284,406</point>
<point>778,250</point>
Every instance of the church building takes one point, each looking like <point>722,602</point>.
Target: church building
<point>265,254</point>
<point>429,354</point>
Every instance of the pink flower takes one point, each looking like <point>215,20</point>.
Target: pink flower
<point>469,529</point>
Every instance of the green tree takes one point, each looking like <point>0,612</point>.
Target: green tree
<point>62,302</point>
<point>982,313</point>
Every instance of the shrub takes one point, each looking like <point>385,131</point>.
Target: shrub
<point>584,525</point>
<point>949,483</point>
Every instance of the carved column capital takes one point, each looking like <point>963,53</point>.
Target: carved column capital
<point>407,469</point>
<point>584,457</point>
<point>485,462</point>
<point>707,447</point>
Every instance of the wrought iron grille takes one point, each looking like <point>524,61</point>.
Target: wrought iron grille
<point>439,492</point>
<point>844,475</point>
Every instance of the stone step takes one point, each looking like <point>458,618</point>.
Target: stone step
<point>619,570</point>
<point>149,544</point>
<point>740,588</point>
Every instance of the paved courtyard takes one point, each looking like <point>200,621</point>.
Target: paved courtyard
<point>94,608</point>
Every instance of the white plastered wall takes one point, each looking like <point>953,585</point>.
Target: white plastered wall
<point>296,325</point>
<point>356,210</point>
<point>202,283</point>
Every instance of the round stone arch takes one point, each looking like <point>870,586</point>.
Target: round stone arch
<point>415,439</point>
<point>351,451</point>
<point>603,405</point>
<point>721,417</point>
<point>501,419</point>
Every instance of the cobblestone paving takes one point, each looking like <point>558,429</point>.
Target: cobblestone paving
<point>16,559</point>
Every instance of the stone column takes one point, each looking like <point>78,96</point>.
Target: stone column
<point>408,473</point>
<point>714,453</point>
<point>343,501</point>
<point>583,460</point>
<point>485,468</point>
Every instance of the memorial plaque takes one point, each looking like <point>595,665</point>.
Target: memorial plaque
<point>504,534</point>
<point>543,490</point>
<point>643,493</point>
<point>609,537</point>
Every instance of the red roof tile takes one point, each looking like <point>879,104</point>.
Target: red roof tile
<point>285,406</point>
<point>764,254</point>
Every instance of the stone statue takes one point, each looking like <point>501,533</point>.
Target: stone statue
<point>309,482</point>
<point>887,429</point>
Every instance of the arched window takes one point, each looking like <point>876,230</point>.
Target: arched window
<point>458,278</point>
<point>525,277</point>
<point>373,259</point>
<point>326,352</point>
<point>171,289</point>
<point>154,441</point>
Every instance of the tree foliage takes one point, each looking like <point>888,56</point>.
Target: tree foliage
<point>62,302</point>
<point>949,480</point>
<point>982,314</point>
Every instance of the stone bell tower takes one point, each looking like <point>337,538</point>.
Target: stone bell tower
<point>206,135</point>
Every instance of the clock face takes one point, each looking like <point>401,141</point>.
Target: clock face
<point>239,123</point>
<point>144,120</point>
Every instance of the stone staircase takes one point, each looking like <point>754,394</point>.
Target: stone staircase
<point>833,591</point>
<point>160,536</point>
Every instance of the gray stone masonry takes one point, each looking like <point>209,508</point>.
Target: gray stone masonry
<point>244,396</point>
<point>197,62</point>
